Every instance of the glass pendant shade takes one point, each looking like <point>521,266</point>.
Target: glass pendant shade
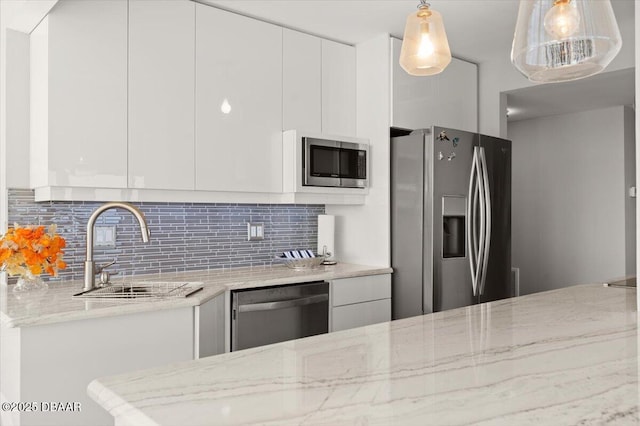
<point>563,40</point>
<point>425,48</point>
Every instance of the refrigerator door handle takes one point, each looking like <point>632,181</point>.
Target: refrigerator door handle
<point>487,220</point>
<point>472,234</point>
<point>483,222</point>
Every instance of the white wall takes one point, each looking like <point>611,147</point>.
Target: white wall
<point>497,74</point>
<point>363,232</point>
<point>568,199</point>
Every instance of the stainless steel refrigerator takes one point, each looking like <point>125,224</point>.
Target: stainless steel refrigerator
<point>450,220</point>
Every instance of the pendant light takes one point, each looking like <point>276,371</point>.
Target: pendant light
<point>563,40</point>
<point>425,49</point>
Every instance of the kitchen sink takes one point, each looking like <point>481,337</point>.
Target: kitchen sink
<point>142,290</point>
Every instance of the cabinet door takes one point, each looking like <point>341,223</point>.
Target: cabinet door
<point>238,103</point>
<point>301,81</point>
<point>79,95</point>
<point>346,291</point>
<point>448,99</point>
<point>360,314</point>
<point>210,327</point>
<point>161,94</point>
<point>413,101</point>
<point>457,96</point>
<point>338,89</point>
<point>118,344</point>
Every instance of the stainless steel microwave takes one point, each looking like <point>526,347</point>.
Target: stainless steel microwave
<point>334,163</point>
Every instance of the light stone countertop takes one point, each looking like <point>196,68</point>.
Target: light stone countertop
<point>562,357</point>
<point>56,305</point>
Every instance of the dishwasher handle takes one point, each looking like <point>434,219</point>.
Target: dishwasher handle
<point>283,304</point>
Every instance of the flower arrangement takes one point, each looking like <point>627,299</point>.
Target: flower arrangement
<point>31,250</point>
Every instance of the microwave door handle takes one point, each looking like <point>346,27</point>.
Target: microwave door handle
<point>283,304</point>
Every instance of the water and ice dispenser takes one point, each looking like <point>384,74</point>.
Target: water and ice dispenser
<point>453,226</point>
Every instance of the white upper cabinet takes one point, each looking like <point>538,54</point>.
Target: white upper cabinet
<point>448,99</point>
<point>457,96</point>
<point>238,103</point>
<point>161,94</point>
<point>338,89</point>
<point>79,96</point>
<point>413,103</point>
<point>156,100</point>
<point>319,85</point>
<point>301,81</point>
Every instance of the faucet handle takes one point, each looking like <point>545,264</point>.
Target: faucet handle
<point>105,277</point>
<point>104,274</point>
<point>101,268</point>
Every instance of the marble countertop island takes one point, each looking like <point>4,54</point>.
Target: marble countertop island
<point>562,357</point>
<point>56,305</point>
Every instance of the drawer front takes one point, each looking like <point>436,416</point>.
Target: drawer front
<point>360,314</point>
<point>360,289</point>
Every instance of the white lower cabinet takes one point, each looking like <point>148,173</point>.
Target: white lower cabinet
<point>56,362</point>
<point>360,301</point>
<point>360,314</point>
<point>210,326</point>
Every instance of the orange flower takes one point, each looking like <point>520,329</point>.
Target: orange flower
<point>32,250</point>
<point>5,254</point>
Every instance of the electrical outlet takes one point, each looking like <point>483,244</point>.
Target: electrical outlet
<point>105,236</point>
<point>255,231</point>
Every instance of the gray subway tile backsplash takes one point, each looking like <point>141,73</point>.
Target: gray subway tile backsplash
<point>184,236</point>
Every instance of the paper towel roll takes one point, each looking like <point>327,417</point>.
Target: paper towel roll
<point>326,233</point>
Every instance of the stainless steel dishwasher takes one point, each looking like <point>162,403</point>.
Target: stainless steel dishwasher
<point>275,314</point>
